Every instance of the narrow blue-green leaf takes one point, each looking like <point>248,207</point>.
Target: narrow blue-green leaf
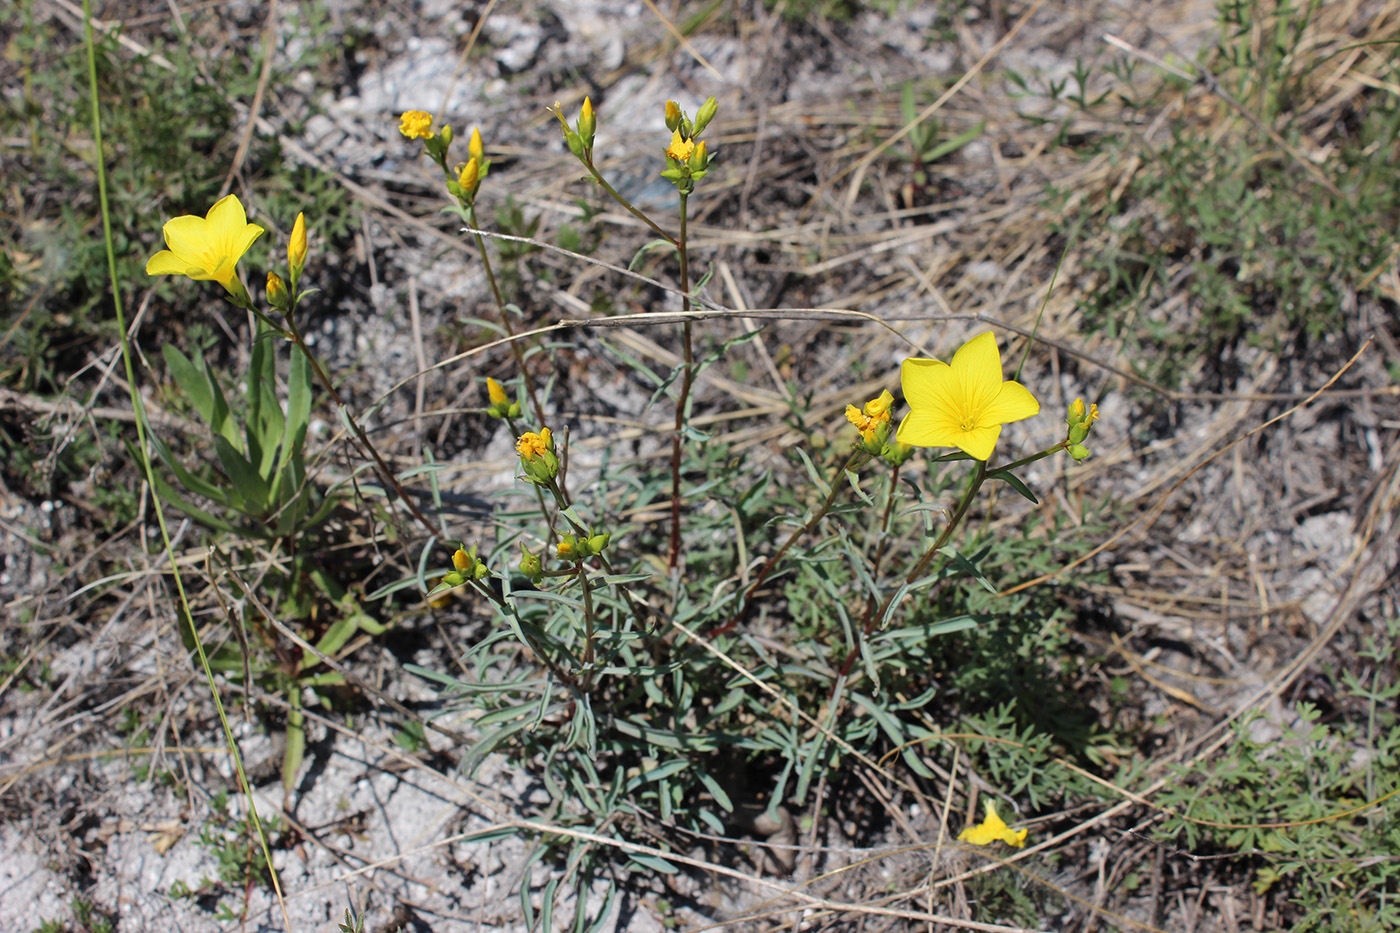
<point>655,863</point>
<point>716,791</point>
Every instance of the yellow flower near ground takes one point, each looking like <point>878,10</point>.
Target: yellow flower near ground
<point>416,124</point>
<point>207,248</point>
<point>991,829</point>
<point>962,404</point>
<point>680,149</point>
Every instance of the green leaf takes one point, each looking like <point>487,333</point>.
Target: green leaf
<point>646,248</point>
<point>716,791</point>
<point>968,567</point>
<point>1014,481</point>
<point>251,487</point>
<point>296,743</point>
<point>655,863</point>
<point>954,144</point>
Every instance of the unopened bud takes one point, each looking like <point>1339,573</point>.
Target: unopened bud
<point>705,114</point>
<point>277,295</point>
<point>587,124</point>
<point>296,248</point>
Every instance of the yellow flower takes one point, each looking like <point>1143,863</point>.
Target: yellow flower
<point>992,829</point>
<point>964,404</point>
<point>474,149</point>
<point>416,124</point>
<point>869,419</point>
<point>532,445</point>
<point>680,149</point>
<point>207,248</point>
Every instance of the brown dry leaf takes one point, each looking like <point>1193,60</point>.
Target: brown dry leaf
<point>164,835</point>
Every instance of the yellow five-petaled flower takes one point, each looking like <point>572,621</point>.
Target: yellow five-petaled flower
<point>208,247</point>
<point>991,829</point>
<point>962,404</point>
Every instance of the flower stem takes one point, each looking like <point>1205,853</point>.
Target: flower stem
<point>857,458</point>
<point>386,474</point>
<point>505,316</point>
<point>687,376</point>
<point>626,204</point>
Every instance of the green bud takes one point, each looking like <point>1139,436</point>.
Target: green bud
<point>1079,452</point>
<point>531,565</point>
<point>703,116</point>
<point>597,543</point>
<point>575,143</point>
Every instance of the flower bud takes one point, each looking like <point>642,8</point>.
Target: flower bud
<point>569,549</point>
<point>598,543</point>
<point>1080,422</point>
<point>469,179</point>
<point>705,114</point>
<point>587,124</point>
<point>474,149</point>
<point>896,454</point>
<point>530,565</point>
<point>537,457</point>
<point>468,568</point>
<point>673,115</point>
<point>1077,412</point>
<point>296,248</point>
<point>699,159</point>
<point>277,295</point>
<point>1079,452</point>
<point>445,134</point>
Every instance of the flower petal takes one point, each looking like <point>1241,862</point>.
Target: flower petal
<point>977,369</point>
<point>166,263</point>
<point>923,382</point>
<point>1013,402</point>
<point>226,216</point>
<point>979,441</point>
<point>186,236</point>
<point>928,427</point>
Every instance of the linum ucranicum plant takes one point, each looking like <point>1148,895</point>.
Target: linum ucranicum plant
<point>642,694</point>
<point>639,694</point>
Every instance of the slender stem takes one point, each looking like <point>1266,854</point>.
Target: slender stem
<point>973,484</point>
<point>687,376</point>
<point>745,604</point>
<point>505,316</point>
<point>385,473</point>
<point>880,545</point>
<point>587,615</point>
<point>485,589</point>
<point>626,204</point>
